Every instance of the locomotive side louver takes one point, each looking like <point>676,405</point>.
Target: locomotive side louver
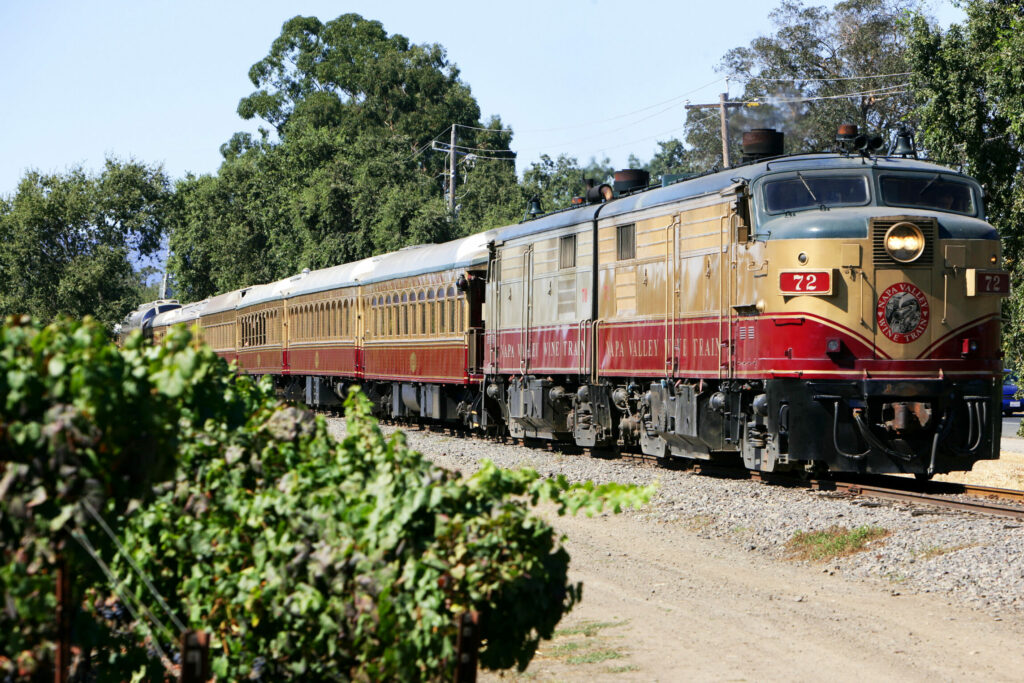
<point>879,226</point>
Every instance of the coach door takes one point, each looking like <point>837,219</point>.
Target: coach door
<point>527,310</point>
<point>492,305</point>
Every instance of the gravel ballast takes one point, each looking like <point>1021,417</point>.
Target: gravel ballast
<point>970,559</point>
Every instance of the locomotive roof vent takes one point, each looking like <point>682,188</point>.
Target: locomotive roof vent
<point>761,143</point>
<point>629,180</point>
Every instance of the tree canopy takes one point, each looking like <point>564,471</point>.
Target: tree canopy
<point>346,170</point>
<point>70,242</point>
<point>970,79</point>
<point>804,71</point>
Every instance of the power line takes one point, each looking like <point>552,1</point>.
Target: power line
<point>630,113</point>
<point>427,144</point>
<point>879,92</point>
<point>606,132</point>
<point>667,132</point>
<point>489,130</point>
<point>672,101</point>
<point>756,101</point>
<point>477,156</point>
<point>836,78</point>
<point>481,149</point>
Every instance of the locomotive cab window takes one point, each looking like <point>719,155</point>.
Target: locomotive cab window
<point>928,192</point>
<point>626,242</point>
<point>806,191</point>
<point>567,252</point>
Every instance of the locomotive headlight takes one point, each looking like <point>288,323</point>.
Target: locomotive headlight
<point>904,242</point>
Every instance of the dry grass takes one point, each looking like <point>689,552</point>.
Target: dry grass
<point>1005,473</point>
<point>699,522</point>
<point>940,550</point>
<point>588,628</point>
<point>836,541</point>
<point>583,644</point>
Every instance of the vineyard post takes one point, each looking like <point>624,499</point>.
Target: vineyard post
<point>195,657</point>
<point>62,658</point>
<point>467,644</point>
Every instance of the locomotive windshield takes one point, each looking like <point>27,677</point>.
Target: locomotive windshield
<point>812,191</point>
<point>928,192</point>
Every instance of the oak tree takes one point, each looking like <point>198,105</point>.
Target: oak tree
<point>73,243</point>
<point>345,169</point>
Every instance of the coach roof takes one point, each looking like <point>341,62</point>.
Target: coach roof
<point>426,258</point>
<point>223,302</point>
<point>185,314</point>
<point>408,262</point>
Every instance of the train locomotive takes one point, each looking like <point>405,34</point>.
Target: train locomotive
<point>815,312</point>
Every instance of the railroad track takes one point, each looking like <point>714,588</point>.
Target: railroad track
<point>971,498</point>
<point>978,499</point>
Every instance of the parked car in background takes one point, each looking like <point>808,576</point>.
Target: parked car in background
<point>1011,401</point>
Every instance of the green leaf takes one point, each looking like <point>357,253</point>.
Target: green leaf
<point>62,517</point>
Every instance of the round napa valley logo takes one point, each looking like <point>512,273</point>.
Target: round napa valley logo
<point>902,313</point>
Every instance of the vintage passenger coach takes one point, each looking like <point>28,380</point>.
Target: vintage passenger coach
<point>832,311</point>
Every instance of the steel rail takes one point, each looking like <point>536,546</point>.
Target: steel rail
<point>978,506</point>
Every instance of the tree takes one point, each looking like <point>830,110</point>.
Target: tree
<point>970,85</point>
<point>346,171</point>
<point>68,241</point>
<point>821,53</point>
<point>672,159</point>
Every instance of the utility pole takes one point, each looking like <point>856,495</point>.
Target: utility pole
<point>452,174</point>
<point>723,112</point>
<point>724,116</point>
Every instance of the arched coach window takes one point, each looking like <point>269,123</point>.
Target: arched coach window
<point>441,327</point>
<point>375,317</point>
<point>451,309</point>
<point>403,321</point>
<point>431,313</point>
<point>378,316</point>
<point>421,318</point>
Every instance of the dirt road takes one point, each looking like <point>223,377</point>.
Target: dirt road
<point>663,604</point>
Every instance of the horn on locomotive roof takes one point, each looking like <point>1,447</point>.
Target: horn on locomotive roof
<point>761,143</point>
<point>849,141</point>
<point>597,193</point>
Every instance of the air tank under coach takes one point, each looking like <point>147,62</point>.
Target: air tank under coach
<point>834,311</point>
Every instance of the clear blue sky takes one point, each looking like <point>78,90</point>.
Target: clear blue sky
<point>159,81</point>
